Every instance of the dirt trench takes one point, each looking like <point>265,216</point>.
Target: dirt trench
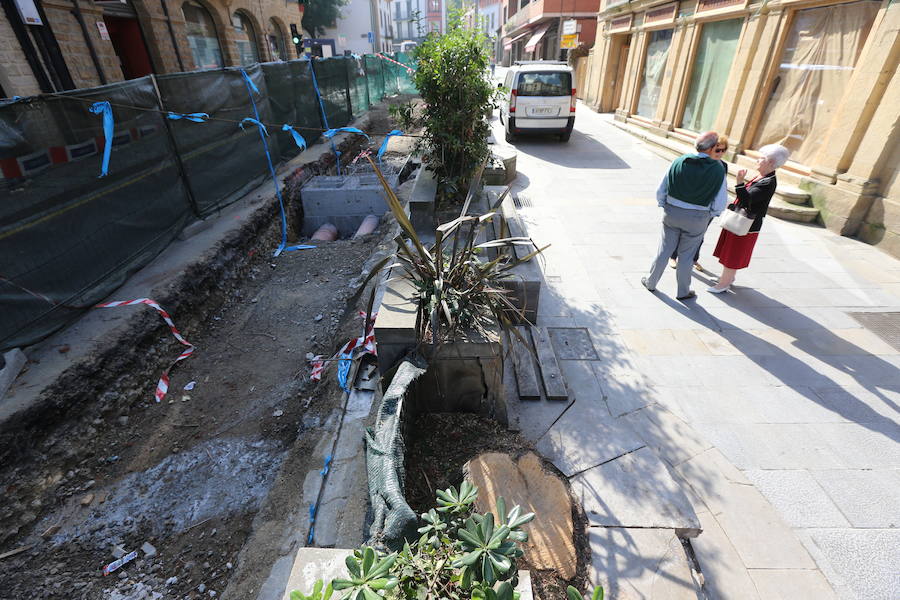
<point>104,471</point>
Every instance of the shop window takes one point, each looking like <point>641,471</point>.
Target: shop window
<point>245,39</point>
<point>654,67</point>
<point>712,63</point>
<point>201,36</point>
<point>819,56</point>
<point>276,41</point>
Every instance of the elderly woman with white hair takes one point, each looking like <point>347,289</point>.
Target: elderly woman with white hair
<point>734,251</point>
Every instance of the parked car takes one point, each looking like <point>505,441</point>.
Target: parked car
<point>539,99</point>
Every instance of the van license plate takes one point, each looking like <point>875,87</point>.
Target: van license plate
<point>542,111</point>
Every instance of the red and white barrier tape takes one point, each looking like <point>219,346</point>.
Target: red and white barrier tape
<point>407,67</point>
<point>366,342</point>
<point>163,385</point>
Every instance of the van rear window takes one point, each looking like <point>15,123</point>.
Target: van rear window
<point>545,84</point>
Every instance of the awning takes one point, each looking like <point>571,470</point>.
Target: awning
<point>536,38</point>
<point>508,43</point>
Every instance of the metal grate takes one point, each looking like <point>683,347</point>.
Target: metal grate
<point>522,201</point>
<point>885,325</point>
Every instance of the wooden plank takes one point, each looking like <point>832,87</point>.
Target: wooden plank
<point>523,360</point>
<point>551,374</point>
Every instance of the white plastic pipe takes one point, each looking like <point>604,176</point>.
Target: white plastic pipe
<point>369,224</point>
<point>326,233</point>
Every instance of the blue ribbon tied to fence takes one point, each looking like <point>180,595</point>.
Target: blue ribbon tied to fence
<point>263,133</point>
<point>195,117</point>
<point>385,143</point>
<point>105,110</point>
<point>298,139</point>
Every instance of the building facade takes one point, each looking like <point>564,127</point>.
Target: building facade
<point>532,29</point>
<point>818,76</point>
<point>85,43</point>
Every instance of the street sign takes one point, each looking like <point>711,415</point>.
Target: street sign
<point>568,41</point>
<point>104,33</point>
<point>570,27</point>
<point>371,37</point>
<point>28,12</point>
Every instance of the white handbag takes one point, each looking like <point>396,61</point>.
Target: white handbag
<point>736,221</point>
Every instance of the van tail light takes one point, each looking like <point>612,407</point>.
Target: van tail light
<point>512,101</point>
<point>572,102</point>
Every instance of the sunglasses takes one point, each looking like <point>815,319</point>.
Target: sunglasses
<point>719,149</point>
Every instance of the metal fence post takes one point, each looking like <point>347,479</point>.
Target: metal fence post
<point>179,164</point>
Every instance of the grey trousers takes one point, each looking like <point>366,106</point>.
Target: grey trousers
<point>682,231</point>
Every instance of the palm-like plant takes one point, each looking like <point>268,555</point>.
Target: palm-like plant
<point>457,287</point>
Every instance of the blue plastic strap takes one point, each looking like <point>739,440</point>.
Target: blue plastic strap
<point>343,369</point>
<point>333,132</point>
<point>298,139</point>
<point>251,87</point>
<point>312,72</point>
<point>385,142</point>
<point>104,108</point>
<point>195,117</point>
<point>262,127</point>
<point>312,524</point>
<point>327,466</point>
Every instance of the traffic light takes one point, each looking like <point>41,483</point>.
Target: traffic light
<point>297,39</point>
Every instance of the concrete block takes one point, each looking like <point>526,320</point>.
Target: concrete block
<point>645,564</point>
<point>13,361</point>
<point>635,490</point>
<point>421,201</point>
<point>312,564</point>
<point>343,200</point>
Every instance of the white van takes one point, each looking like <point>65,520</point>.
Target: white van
<point>540,98</point>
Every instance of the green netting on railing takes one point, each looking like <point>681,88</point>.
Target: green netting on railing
<point>359,90</point>
<point>375,77</point>
<point>292,99</point>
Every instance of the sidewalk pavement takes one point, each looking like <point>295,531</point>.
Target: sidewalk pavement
<point>774,409</point>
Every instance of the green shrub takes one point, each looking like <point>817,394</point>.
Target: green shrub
<point>457,96</point>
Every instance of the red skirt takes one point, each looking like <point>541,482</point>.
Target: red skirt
<point>734,251</point>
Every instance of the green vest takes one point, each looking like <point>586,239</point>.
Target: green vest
<point>695,179</point>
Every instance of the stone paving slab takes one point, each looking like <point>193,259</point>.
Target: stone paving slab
<point>586,436</point>
<point>868,498</point>
<point>760,536</point>
<point>645,564</point>
<point>635,490</point>
<point>724,574</point>
<point>673,440</point>
<point>867,559</point>
<point>791,584</point>
<point>798,498</point>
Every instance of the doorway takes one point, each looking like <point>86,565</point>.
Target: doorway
<point>618,61</point>
<point>128,42</point>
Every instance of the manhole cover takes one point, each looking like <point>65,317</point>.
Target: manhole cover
<point>885,325</point>
<point>572,343</point>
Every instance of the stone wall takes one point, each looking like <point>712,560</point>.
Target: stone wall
<point>17,78</point>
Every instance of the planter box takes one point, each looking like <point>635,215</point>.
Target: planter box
<point>501,175</point>
<point>464,375</point>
